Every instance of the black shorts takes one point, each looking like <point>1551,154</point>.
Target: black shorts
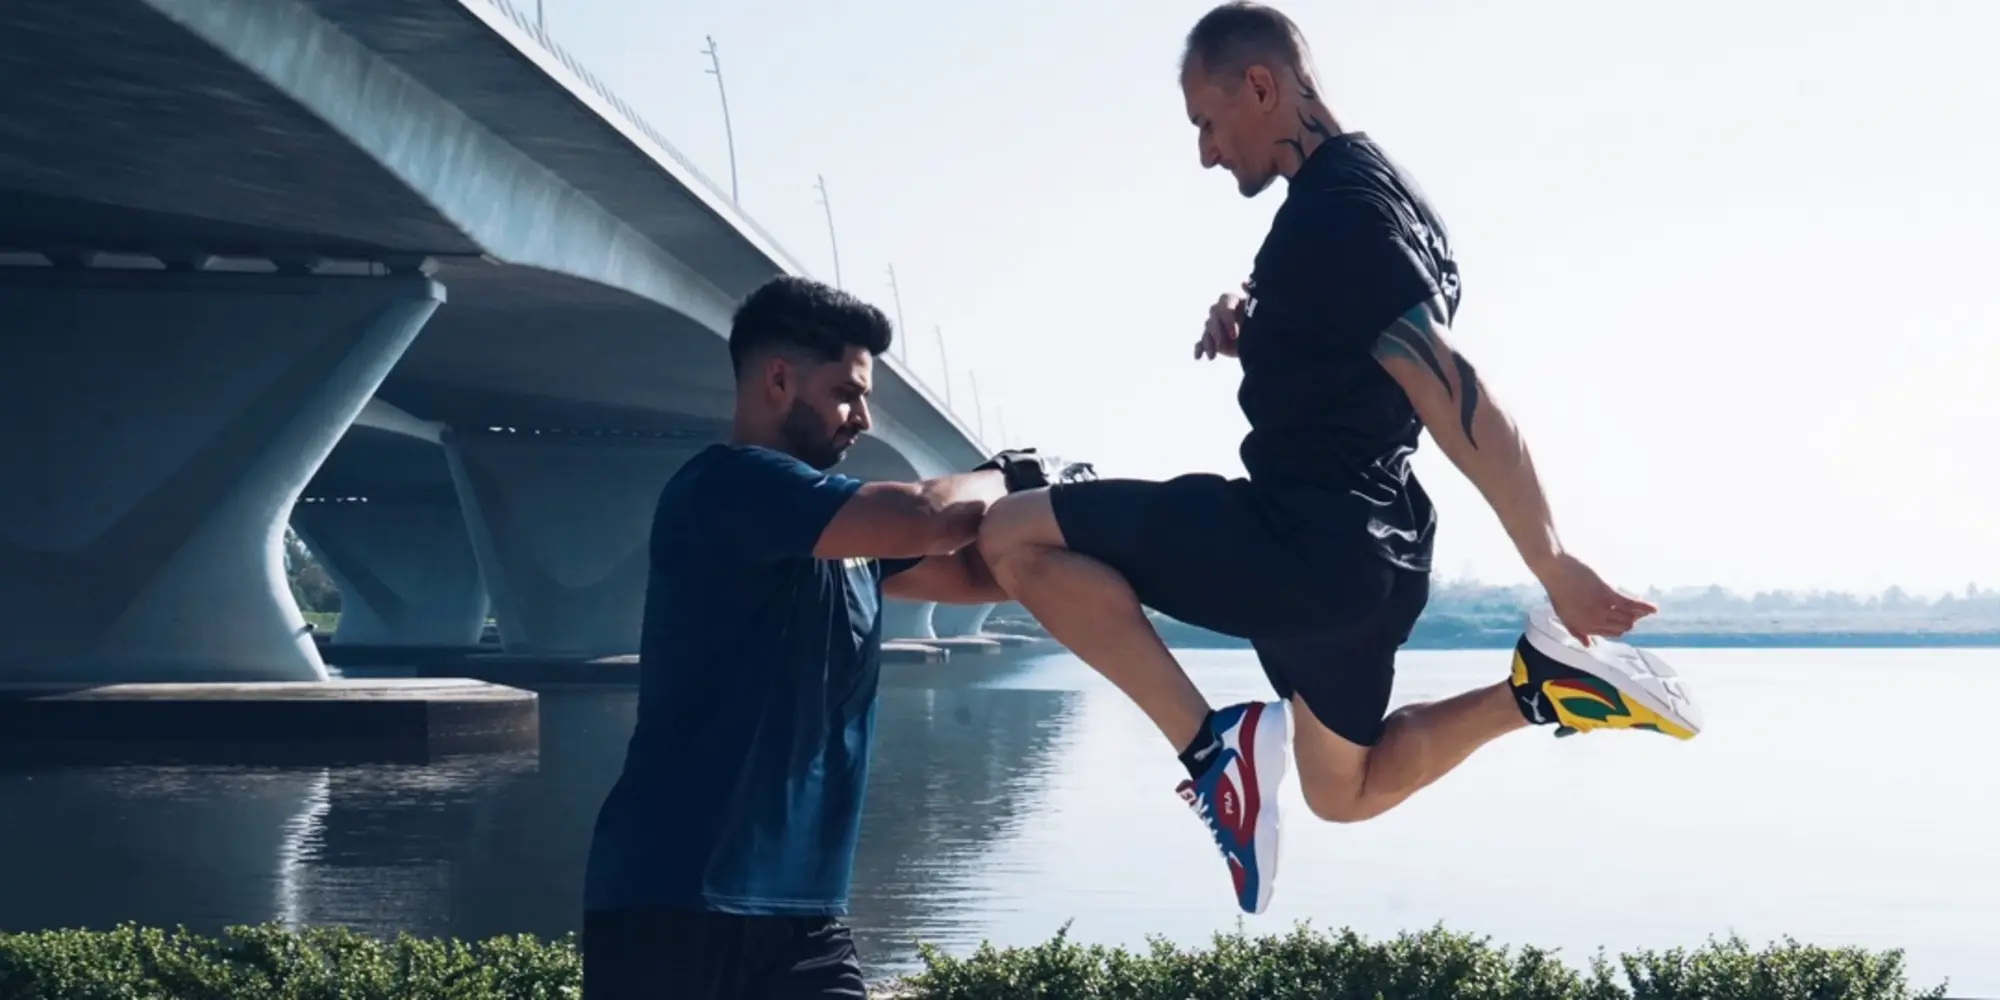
<point>657,954</point>
<point>1324,612</point>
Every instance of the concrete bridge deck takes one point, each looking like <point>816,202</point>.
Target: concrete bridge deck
<point>393,258</point>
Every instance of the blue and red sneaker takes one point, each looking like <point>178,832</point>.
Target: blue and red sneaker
<point>1237,796</point>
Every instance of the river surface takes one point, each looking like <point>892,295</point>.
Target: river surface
<point>1839,796</point>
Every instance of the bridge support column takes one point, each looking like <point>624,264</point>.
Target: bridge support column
<point>954,620</point>
<point>561,524</point>
<point>405,568</point>
<point>907,620</point>
<point>155,429</point>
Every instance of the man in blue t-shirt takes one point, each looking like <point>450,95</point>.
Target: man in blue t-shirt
<point>720,860</point>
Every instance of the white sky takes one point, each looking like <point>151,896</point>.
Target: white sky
<point>1728,261</point>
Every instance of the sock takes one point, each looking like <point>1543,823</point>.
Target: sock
<point>1198,753</point>
<point>1528,697</point>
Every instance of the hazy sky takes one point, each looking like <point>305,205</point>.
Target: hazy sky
<point>1728,261</point>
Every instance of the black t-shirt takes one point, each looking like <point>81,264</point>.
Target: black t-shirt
<point>1354,246</point>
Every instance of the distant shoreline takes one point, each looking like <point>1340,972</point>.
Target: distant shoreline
<point>1445,632</point>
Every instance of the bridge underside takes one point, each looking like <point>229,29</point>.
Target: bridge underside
<point>157,429</point>
<point>229,228</point>
<point>545,530</point>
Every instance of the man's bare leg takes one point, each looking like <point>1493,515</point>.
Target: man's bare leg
<point>1089,608</point>
<point>1236,758</point>
<point>1554,682</point>
<point>1345,783</point>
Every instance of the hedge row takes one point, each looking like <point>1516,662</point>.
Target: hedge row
<point>1431,965</point>
<point>269,963</point>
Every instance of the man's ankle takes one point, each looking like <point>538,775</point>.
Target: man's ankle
<point>1201,751</point>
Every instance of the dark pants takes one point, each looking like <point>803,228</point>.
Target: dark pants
<point>671,954</point>
<point>1282,569</point>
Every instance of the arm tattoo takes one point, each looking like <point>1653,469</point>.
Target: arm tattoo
<point>1413,337</point>
<point>1469,380</point>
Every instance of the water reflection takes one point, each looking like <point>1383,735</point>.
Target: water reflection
<point>1012,796</point>
<point>957,763</point>
<point>484,845</point>
<point>209,846</point>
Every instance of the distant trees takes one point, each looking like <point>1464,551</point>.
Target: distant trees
<point>1473,599</point>
<point>312,588</point>
<point>1474,607</point>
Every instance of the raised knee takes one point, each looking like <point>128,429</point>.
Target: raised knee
<point>996,539</point>
<point>1011,527</point>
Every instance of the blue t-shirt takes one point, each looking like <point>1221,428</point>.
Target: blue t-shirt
<point>758,668</point>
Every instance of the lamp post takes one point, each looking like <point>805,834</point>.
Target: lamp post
<point>728,132</point>
<point>830,235</point>
<point>897,294</point>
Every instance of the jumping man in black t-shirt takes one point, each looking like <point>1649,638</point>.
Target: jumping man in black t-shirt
<point>1321,557</point>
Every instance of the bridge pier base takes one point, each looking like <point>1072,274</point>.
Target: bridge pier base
<point>561,525</point>
<point>907,619</point>
<point>155,429</point>
<point>958,620</point>
<point>406,570</point>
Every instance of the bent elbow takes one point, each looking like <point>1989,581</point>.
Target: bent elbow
<point>949,527</point>
<point>896,521</point>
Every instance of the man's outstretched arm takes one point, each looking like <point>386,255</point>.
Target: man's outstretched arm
<point>1470,428</point>
<point>1482,440</point>
<point>936,517</point>
<point>961,575</point>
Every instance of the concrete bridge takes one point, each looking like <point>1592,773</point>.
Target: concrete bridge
<point>390,270</point>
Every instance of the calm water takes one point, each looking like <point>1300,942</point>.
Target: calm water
<point>1840,796</point>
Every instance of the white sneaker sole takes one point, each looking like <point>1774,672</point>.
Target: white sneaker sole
<point>1636,673</point>
<point>1272,745</point>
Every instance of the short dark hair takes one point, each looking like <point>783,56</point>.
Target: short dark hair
<point>790,314</point>
<point>1237,35</point>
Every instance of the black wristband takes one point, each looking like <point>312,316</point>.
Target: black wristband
<point>1020,468</point>
<point>1026,469</point>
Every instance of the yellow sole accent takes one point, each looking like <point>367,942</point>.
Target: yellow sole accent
<point>1583,709</point>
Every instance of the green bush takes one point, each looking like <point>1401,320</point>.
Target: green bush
<point>268,963</point>
<point>1432,965</point>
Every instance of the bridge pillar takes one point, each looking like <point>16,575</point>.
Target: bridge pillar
<point>953,620</point>
<point>155,429</point>
<point>561,524</point>
<point>907,620</point>
<point>405,567</point>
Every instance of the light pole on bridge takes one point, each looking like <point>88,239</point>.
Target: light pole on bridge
<point>728,132</point>
<point>978,408</point>
<point>831,236</point>
<point>945,363</point>
<point>902,331</point>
